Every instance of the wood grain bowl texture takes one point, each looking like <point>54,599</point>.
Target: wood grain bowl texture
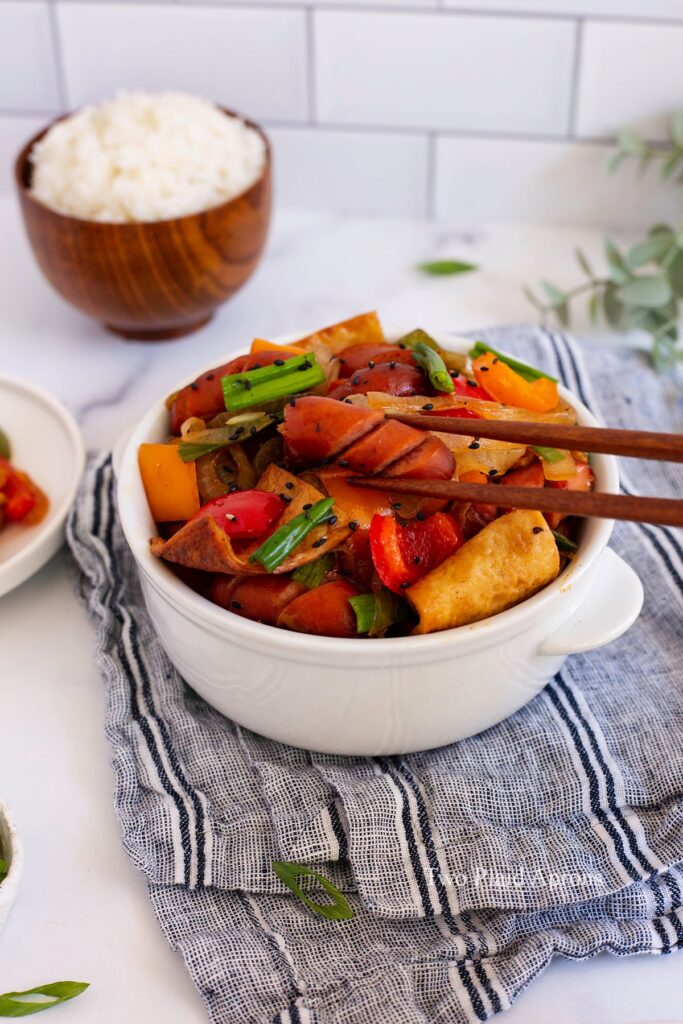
<point>155,280</point>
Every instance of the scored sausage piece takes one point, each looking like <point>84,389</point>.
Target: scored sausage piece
<point>388,443</point>
<point>430,461</point>
<point>317,429</point>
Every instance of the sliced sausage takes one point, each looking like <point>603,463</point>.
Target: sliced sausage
<point>316,429</point>
<point>390,378</point>
<point>204,396</point>
<point>357,357</point>
<point>388,443</point>
<point>263,598</point>
<point>324,611</point>
<point>430,461</point>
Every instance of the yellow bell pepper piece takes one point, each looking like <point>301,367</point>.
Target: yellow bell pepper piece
<point>507,387</point>
<point>261,345</point>
<point>170,484</point>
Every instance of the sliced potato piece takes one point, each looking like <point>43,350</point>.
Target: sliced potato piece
<point>507,561</point>
<point>564,413</point>
<point>359,330</point>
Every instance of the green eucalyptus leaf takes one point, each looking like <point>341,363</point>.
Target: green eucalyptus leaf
<point>615,161</point>
<point>612,307</point>
<point>584,264</point>
<point>675,275</point>
<point>535,302</point>
<point>650,292</point>
<point>593,303</point>
<point>556,296</point>
<point>669,164</point>
<point>443,268</point>
<point>661,229</point>
<point>632,145</point>
<point>676,129</point>
<point>561,311</point>
<point>289,872</point>
<point>618,270</point>
<point>664,354</point>
<point>650,250</point>
<point>5,446</point>
<point>15,1004</point>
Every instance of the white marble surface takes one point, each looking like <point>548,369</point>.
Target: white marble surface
<point>82,912</point>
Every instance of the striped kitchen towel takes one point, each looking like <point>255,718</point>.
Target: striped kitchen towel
<point>557,832</point>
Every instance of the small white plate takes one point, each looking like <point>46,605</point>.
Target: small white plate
<point>47,444</point>
<point>10,851</point>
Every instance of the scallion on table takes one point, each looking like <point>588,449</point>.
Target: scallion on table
<point>267,383</point>
<point>287,537</point>
<point>17,1004</point>
<point>289,872</point>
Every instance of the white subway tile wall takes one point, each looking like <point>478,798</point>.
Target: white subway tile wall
<point>468,110</point>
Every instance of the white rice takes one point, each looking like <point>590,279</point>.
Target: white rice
<point>145,157</point>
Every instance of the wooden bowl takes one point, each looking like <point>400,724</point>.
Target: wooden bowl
<point>149,280</point>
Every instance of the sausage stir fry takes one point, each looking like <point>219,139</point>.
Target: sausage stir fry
<point>254,508</point>
<point>21,500</point>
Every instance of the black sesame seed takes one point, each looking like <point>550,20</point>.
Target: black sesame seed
<point>397,505</point>
<point>353,525</point>
<point>471,383</point>
<point>417,560</point>
<point>392,364</point>
<point>232,488</point>
<point>347,400</point>
<point>402,345</point>
<point>537,529</point>
<point>355,381</point>
<point>475,444</point>
<point>332,520</point>
<point>305,366</point>
<point>278,362</point>
<point>256,366</point>
<point>495,360</point>
<point>233,437</point>
<point>210,376</point>
<point>309,504</point>
<point>317,428</point>
<point>289,485</point>
<point>342,362</point>
<point>292,402</point>
<point>371,364</point>
<point>420,516</point>
<point>252,431</point>
<point>194,386</point>
<point>284,497</point>
<point>427,406</point>
<point>493,472</point>
<point>235,604</point>
<point>405,585</point>
<point>484,369</point>
<point>343,463</point>
<point>319,543</point>
<point>239,431</point>
<point>247,384</point>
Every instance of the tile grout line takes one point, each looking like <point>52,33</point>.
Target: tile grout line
<point>576,79</point>
<point>311,77</point>
<point>57,53</point>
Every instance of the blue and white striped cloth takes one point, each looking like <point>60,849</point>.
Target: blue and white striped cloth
<point>559,831</point>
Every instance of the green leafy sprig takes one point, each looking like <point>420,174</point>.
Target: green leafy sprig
<point>643,286</point>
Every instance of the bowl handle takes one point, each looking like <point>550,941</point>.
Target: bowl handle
<point>612,605</point>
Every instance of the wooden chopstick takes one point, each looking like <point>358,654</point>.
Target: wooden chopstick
<point>643,444</point>
<point>664,511</point>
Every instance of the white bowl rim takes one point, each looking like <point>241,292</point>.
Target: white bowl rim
<point>47,530</point>
<point>223,622</point>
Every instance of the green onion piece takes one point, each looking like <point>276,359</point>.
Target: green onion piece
<point>548,454</point>
<point>280,544</point>
<point>442,268</point>
<point>4,868</point>
<point>434,366</point>
<point>5,446</point>
<point>288,872</point>
<point>364,607</point>
<point>529,373</point>
<point>312,574</point>
<point>205,441</point>
<point>15,1004</point>
<point>564,543</point>
<point>254,387</point>
<point>415,337</point>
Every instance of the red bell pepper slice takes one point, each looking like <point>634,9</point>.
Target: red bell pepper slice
<point>466,388</point>
<point>243,514</point>
<point>459,412</point>
<point>403,554</point>
<point>20,499</point>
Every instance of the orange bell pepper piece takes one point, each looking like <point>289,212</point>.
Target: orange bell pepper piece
<point>261,345</point>
<point>170,484</point>
<point>507,387</point>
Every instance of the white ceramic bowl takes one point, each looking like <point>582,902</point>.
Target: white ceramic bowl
<point>10,851</point>
<point>379,696</point>
<point>46,444</point>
